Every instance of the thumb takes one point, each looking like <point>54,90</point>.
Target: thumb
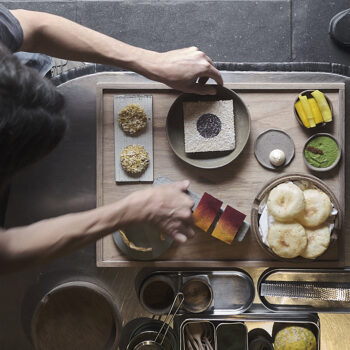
<point>183,185</point>
<point>201,89</point>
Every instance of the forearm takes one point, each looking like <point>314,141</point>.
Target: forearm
<point>59,37</point>
<point>47,239</point>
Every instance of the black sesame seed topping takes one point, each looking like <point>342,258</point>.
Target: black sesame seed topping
<point>208,125</point>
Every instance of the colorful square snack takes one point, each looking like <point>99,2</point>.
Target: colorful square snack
<point>209,126</point>
<point>206,211</point>
<point>228,225</point>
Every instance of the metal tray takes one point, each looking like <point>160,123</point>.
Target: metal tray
<point>257,318</point>
<point>233,290</point>
<point>305,290</point>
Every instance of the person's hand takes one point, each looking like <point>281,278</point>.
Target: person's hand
<point>167,207</point>
<point>186,70</point>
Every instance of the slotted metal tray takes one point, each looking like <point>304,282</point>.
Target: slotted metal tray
<point>233,290</point>
<point>305,290</point>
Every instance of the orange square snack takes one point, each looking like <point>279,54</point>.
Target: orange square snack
<point>228,225</point>
<point>206,211</point>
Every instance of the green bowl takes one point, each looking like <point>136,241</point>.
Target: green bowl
<point>334,164</point>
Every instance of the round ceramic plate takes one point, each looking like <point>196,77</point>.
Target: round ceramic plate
<point>268,141</point>
<point>175,130</point>
<point>143,236</point>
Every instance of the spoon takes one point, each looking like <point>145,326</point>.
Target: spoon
<point>208,336</point>
<point>196,331</point>
<point>190,339</point>
<point>188,345</point>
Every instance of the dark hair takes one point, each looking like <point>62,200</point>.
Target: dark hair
<point>31,115</point>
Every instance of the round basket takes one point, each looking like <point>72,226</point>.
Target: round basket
<point>286,178</point>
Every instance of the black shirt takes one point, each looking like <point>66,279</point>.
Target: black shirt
<point>11,33</point>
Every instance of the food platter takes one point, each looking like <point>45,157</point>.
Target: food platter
<point>314,181</point>
<point>175,129</point>
<point>236,184</point>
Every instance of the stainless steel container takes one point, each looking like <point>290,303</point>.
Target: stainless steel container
<point>233,290</point>
<point>231,336</point>
<point>305,290</point>
<point>254,319</point>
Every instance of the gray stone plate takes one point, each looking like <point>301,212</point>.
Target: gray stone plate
<point>268,141</point>
<point>143,235</point>
<point>175,130</point>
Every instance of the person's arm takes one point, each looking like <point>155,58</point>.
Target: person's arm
<point>59,37</point>
<point>167,207</point>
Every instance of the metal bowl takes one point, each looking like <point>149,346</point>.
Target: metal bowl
<point>198,294</point>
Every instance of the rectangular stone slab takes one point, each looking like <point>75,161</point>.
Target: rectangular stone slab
<point>121,140</point>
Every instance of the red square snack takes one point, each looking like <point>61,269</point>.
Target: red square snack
<point>228,225</point>
<point>206,211</point>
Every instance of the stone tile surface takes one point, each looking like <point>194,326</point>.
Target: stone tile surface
<point>65,9</point>
<point>226,30</point>
<point>310,38</point>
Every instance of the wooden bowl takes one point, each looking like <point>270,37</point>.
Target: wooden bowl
<point>307,93</point>
<point>285,178</point>
<point>76,315</point>
<point>175,130</point>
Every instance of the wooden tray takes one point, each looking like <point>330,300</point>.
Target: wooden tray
<point>237,184</point>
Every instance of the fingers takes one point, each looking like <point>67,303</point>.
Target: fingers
<point>213,73</point>
<point>180,238</point>
<point>209,60</point>
<point>209,70</point>
<point>183,233</point>
<point>202,89</point>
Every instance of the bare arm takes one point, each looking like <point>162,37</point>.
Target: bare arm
<point>59,37</point>
<point>167,207</point>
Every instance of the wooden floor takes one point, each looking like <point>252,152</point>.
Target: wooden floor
<point>335,333</point>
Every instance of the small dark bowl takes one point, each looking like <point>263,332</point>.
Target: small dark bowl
<point>313,168</point>
<point>307,93</point>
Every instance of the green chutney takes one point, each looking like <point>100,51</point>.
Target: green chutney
<point>321,152</point>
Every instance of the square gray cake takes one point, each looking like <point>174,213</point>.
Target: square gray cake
<point>209,126</point>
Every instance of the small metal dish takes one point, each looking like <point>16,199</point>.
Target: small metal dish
<point>157,294</point>
<point>313,168</point>
<point>232,336</point>
<point>198,294</point>
<point>307,93</point>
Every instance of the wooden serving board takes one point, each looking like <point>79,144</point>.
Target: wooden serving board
<point>237,184</point>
